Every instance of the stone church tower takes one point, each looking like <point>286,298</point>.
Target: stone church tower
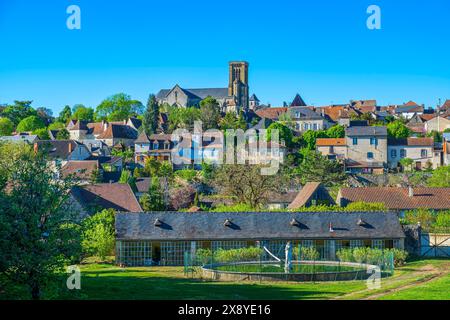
<point>238,83</point>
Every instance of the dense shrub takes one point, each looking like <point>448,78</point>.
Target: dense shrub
<point>371,255</point>
<point>186,174</point>
<point>308,253</point>
<point>237,255</point>
<point>98,234</point>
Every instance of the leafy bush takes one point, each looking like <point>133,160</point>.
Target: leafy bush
<point>309,253</point>
<point>442,220</point>
<point>186,174</point>
<point>372,255</point>
<point>399,256</point>
<point>98,234</point>
<point>240,207</point>
<point>366,206</point>
<point>345,254</point>
<point>359,254</point>
<point>425,217</point>
<point>237,255</point>
<point>203,256</point>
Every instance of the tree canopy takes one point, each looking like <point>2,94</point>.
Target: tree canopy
<point>151,116</point>
<point>440,177</point>
<point>6,127</point>
<point>36,214</point>
<point>398,130</point>
<point>80,112</point>
<point>30,123</point>
<point>118,107</point>
<point>209,113</point>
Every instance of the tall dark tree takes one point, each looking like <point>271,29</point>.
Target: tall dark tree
<point>65,115</point>
<point>315,167</point>
<point>209,113</point>
<point>19,111</point>
<point>151,116</point>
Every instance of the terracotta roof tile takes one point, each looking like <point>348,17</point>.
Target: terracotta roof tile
<point>331,142</point>
<point>115,196</point>
<point>398,198</point>
<point>271,113</point>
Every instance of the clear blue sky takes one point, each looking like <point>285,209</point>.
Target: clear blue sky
<point>321,49</point>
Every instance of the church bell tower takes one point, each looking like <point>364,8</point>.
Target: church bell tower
<point>238,83</point>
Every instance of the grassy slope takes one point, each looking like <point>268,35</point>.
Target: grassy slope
<point>102,281</point>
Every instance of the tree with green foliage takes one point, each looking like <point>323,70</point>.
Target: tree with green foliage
<point>37,236</point>
<point>30,124</point>
<point>246,184</point>
<point>284,133</point>
<point>209,113</point>
<point>440,177</point>
<point>118,107</point>
<point>56,126</point>
<point>398,130</point>
<point>42,133</point>
<point>151,116</point>
<point>315,167</point>
<point>309,138</point>
<point>437,136</point>
<point>229,121</point>
<point>6,127</point>
<point>80,112</point>
<point>406,163</point>
<point>19,111</point>
<point>241,123</point>
<point>182,118</point>
<point>45,114</point>
<point>336,131</point>
<point>153,200</point>
<point>98,237</point>
<point>65,115</point>
<point>63,134</point>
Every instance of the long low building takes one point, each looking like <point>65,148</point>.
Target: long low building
<point>163,237</point>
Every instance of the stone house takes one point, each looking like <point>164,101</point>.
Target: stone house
<point>366,149</point>
<point>438,123</point>
<point>306,119</point>
<point>420,150</point>
<point>333,148</point>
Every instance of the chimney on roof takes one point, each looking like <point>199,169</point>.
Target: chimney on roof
<point>70,147</point>
<point>35,148</point>
<point>410,192</point>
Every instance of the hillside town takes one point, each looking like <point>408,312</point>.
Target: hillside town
<point>340,169</point>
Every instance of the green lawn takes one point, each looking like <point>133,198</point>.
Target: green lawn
<point>105,281</point>
<point>438,289</point>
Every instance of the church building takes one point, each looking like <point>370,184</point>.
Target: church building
<point>234,98</point>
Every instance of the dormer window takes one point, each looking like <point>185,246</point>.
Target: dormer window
<point>158,223</point>
<point>155,145</point>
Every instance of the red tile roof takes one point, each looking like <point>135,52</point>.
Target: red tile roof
<point>80,169</point>
<point>412,142</point>
<point>271,113</point>
<point>330,142</point>
<point>115,196</point>
<point>398,198</point>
